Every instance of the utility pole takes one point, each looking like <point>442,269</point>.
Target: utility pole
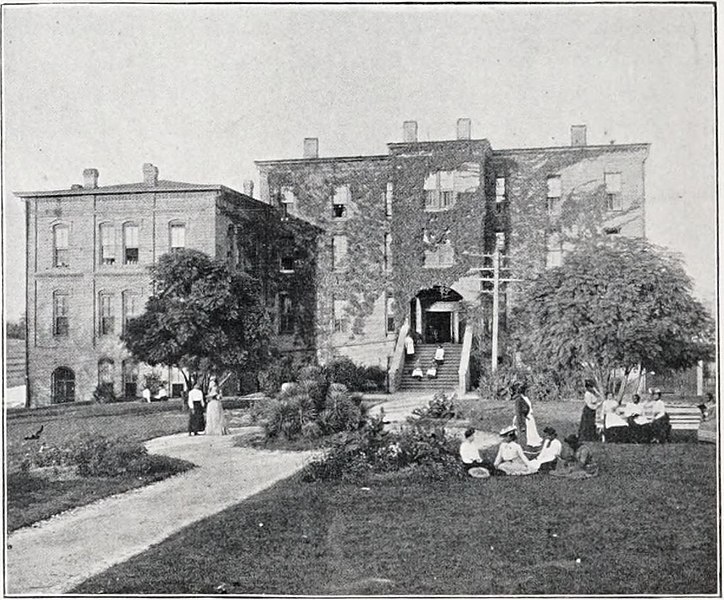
<point>496,309</point>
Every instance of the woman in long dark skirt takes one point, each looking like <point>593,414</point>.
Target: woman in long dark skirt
<point>592,399</point>
<point>196,405</point>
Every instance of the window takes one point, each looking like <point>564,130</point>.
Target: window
<point>177,236</point>
<point>555,251</point>
<point>108,244</point>
<point>285,195</point>
<point>106,314</point>
<point>440,254</point>
<point>440,191</point>
<point>129,374</point>
<point>60,313</point>
<point>130,244</point>
<point>339,251</point>
<point>340,201</point>
<point>105,371</point>
<point>499,194</point>
<point>390,314</point>
<point>554,195</point>
<point>611,230</point>
<point>500,241</point>
<point>388,252</point>
<point>286,313</point>
<point>286,264</point>
<point>614,200</point>
<point>131,307</point>
<point>62,386</point>
<point>230,241</point>
<point>60,246</point>
<point>388,199</point>
<point>340,316</point>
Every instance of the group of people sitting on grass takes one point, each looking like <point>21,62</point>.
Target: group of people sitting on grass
<point>636,421</point>
<point>431,373</point>
<point>548,455</point>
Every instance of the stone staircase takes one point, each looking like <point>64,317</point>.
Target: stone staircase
<point>447,374</point>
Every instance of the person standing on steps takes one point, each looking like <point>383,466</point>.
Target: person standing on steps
<point>409,347</point>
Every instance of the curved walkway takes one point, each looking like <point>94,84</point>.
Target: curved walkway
<point>55,555</point>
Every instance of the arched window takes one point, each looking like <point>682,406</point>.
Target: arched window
<point>130,244</point>
<point>62,386</point>
<point>60,245</point>
<point>177,235</point>
<point>129,373</point>
<point>105,371</point>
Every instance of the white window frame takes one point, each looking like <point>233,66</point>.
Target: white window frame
<point>107,246</point>
<point>342,198</point>
<point>173,244</point>
<point>60,311</point>
<point>60,253</point>
<point>612,181</point>
<point>339,257</point>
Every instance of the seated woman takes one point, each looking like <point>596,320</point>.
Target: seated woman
<point>547,459</point>
<point>440,354</point>
<point>417,371</point>
<point>578,461</point>
<point>615,426</point>
<point>432,371</point>
<point>470,455</point>
<point>511,459</point>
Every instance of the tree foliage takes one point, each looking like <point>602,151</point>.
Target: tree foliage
<point>614,305</point>
<point>202,317</point>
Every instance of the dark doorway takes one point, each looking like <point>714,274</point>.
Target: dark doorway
<point>437,327</point>
<point>63,386</point>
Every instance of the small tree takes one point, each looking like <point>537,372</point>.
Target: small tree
<point>203,318</point>
<point>613,306</point>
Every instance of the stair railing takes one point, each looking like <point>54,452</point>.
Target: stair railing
<point>464,370</point>
<point>397,360</point>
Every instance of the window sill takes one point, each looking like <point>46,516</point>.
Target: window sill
<point>435,210</point>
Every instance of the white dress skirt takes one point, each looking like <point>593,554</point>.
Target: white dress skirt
<point>531,431</point>
<point>215,419</point>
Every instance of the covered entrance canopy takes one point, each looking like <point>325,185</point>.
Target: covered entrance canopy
<point>435,315</point>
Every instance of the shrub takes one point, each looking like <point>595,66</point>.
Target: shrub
<point>440,407</point>
<point>107,457</point>
<point>357,378</point>
<point>417,450</point>
<point>340,412</point>
<point>541,385</point>
<point>286,415</point>
<point>153,382</point>
<point>280,370</point>
<point>103,394</point>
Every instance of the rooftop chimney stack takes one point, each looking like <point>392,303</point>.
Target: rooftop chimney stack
<point>90,178</point>
<point>409,132</point>
<point>578,135</point>
<point>311,147</point>
<point>150,175</point>
<point>464,129</point>
<point>248,188</point>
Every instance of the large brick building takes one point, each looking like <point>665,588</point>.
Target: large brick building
<point>410,229</point>
<point>88,253</point>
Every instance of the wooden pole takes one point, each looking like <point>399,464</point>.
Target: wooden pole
<point>496,309</point>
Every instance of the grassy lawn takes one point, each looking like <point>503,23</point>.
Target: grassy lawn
<point>646,525</point>
<point>31,497</point>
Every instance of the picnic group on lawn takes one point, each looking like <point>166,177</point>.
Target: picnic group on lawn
<point>524,452</point>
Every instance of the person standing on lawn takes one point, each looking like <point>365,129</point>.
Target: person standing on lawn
<point>592,400</point>
<point>511,460</point>
<point>196,407</point>
<point>523,420</point>
<point>215,419</point>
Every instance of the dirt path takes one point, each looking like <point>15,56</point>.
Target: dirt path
<point>55,555</point>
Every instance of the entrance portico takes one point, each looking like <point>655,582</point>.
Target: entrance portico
<point>435,315</point>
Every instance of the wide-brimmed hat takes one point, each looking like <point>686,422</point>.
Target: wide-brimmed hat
<point>549,430</point>
<point>507,430</point>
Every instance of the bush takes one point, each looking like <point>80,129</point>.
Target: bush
<point>280,370</point>
<point>356,378</point>
<point>287,415</point>
<point>340,413</point>
<point>417,450</point>
<point>541,385</point>
<point>103,394</point>
<point>440,407</point>
<point>107,457</point>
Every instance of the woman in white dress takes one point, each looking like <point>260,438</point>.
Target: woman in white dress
<point>511,460</point>
<point>215,419</point>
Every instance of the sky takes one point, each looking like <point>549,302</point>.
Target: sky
<point>203,91</point>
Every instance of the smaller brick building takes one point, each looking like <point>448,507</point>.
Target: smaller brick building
<point>88,253</point>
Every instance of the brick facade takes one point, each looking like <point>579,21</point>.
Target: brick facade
<point>99,281</point>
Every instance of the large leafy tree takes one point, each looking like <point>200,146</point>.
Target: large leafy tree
<point>203,317</point>
<point>615,305</point>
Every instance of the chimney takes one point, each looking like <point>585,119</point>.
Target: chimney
<point>90,178</point>
<point>578,135</point>
<point>464,129</point>
<point>409,132</point>
<point>311,147</point>
<point>248,187</point>
<point>150,175</point>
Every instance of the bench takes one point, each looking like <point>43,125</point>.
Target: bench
<point>685,420</point>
